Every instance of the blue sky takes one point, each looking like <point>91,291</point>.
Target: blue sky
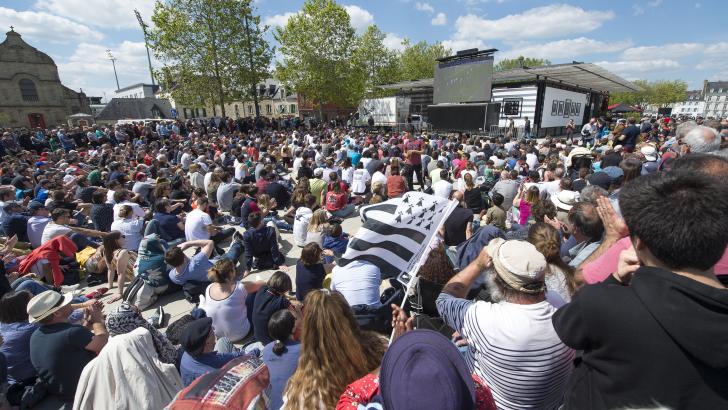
<point>650,39</point>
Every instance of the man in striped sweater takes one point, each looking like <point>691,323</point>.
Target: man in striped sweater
<point>512,344</point>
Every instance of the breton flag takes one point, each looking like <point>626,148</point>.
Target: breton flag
<point>396,234</point>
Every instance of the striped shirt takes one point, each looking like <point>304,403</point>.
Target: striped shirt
<point>513,348</point>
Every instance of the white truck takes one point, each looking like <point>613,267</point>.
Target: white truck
<point>390,112</point>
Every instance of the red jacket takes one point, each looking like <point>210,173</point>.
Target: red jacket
<point>52,251</point>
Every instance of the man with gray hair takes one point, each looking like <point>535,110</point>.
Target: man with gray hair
<point>508,187</point>
<point>702,139</point>
<point>512,344</point>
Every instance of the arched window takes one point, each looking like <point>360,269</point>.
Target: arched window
<point>28,90</point>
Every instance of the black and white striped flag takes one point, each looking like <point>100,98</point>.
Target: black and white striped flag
<point>395,234</point>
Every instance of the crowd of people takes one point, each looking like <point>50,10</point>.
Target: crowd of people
<point>577,271</point>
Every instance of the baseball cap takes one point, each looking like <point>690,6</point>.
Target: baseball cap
<point>600,179</point>
<point>40,163</point>
<point>195,334</point>
<point>613,172</point>
<point>35,205</point>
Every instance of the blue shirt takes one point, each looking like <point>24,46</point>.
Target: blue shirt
<point>196,270</point>
<point>194,367</point>
<point>280,368</point>
<point>16,348</point>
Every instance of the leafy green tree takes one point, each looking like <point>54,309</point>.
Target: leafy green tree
<point>317,46</point>
<point>212,50</point>
<point>374,63</point>
<point>660,93</point>
<point>519,62</point>
<point>417,61</point>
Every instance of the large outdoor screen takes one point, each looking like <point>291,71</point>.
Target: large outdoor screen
<point>463,81</point>
<point>463,117</point>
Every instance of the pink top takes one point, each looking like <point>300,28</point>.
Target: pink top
<point>606,264</point>
<point>524,212</point>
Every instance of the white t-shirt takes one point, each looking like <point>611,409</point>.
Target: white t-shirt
<point>358,282</point>
<point>379,177</point>
<point>132,230</point>
<point>300,225</point>
<point>229,315</point>
<point>347,175</point>
<point>513,348</point>
<point>186,161</point>
<point>196,225</point>
<point>297,165</point>
<point>53,230</point>
<point>36,226</point>
<point>110,197</point>
<point>359,181</point>
<point>442,188</point>
<point>136,210</point>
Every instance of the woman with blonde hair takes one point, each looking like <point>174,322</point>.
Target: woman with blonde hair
<point>316,227</point>
<point>334,353</point>
<point>560,283</point>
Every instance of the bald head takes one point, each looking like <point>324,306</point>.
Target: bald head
<point>458,196</point>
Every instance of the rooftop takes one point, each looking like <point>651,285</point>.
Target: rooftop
<point>584,75</point>
<point>155,87</point>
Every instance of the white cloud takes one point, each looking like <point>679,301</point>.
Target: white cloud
<point>100,13</point>
<point>393,42</point>
<point>548,21</point>
<point>670,50</point>
<point>654,3</point>
<point>89,68</point>
<point>457,45</point>
<point>426,7</point>
<point>636,69</point>
<point>637,10</point>
<point>278,20</point>
<point>713,57</point>
<point>41,26</point>
<point>439,20</point>
<point>360,18</point>
<point>562,49</point>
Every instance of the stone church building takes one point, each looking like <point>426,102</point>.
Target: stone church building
<point>31,93</point>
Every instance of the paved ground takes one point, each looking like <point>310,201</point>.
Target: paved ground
<point>175,305</point>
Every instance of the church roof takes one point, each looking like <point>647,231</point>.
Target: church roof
<point>15,49</point>
<point>135,108</point>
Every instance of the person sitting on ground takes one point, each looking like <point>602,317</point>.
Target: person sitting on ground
<point>130,228</point>
<point>127,317</point>
<point>358,282</point>
<point>302,219</point>
<point>16,332</point>
<point>171,227</point>
<point>586,227</point>
<point>226,301</point>
<point>665,291</point>
<point>323,362</point>
<point>198,224</point>
<point>317,227</point>
<point>261,246</point>
<point>336,240</point>
<point>337,199</point>
<point>119,262</point>
<point>60,219</point>
<point>272,297</point>
<point>282,354</point>
<point>519,334</point>
<point>201,353</point>
<point>39,218</point>
<point>59,350</point>
<point>310,270</point>
<point>495,215</point>
<point>525,201</point>
<point>45,261</point>
<point>396,183</point>
<point>123,197</point>
<point>249,204</point>
<point>102,212</point>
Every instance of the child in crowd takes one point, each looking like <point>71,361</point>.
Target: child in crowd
<point>495,214</point>
<point>335,240</point>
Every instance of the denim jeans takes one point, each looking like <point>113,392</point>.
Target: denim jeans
<point>234,253</point>
<point>82,241</point>
<point>280,224</point>
<point>343,212</point>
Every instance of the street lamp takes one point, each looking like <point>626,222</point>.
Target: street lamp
<point>146,44</point>
<point>113,63</point>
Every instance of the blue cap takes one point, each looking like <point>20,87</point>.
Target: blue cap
<point>613,172</point>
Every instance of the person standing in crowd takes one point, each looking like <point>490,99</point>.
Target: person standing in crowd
<point>665,290</point>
